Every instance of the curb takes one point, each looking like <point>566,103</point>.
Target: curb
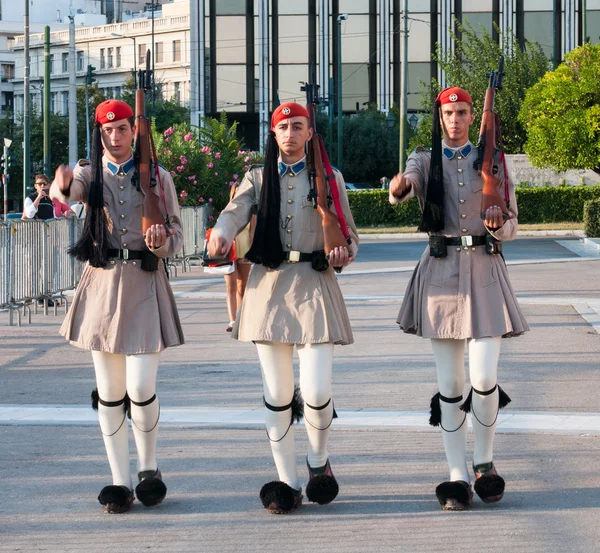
<point>521,234</point>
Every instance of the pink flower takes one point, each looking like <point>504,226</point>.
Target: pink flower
<point>195,182</point>
<point>192,177</point>
<point>180,168</point>
<point>235,176</point>
<point>210,165</point>
<point>188,137</point>
<point>205,150</point>
<point>216,173</point>
<point>169,132</point>
<point>247,158</point>
<point>172,173</point>
<point>183,160</point>
<point>210,200</point>
<point>183,194</point>
<point>210,217</point>
<point>201,200</point>
<point>246,167</point>
<point>218,155</point>
<point>168,139</point>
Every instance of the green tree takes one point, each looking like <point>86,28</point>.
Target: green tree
<point>475,54</point>
<point>561,114</point>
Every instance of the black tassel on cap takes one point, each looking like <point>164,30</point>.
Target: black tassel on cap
<point>266,247</point>
<point>92,245</point>
<point>433,210</point>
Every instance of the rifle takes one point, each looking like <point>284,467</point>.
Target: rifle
<point>335,229</point>
<point>489,139</point>
<point>143,152</point>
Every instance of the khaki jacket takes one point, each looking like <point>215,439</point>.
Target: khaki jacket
<point>122,309</point>
<point>292,304</point>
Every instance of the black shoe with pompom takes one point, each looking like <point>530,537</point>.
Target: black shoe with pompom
<point>279,498</point>
<point>151,490</point>
<point>455,496</point>
<point>116,499</point>
<point>322,487</point>
<point>489,485</point>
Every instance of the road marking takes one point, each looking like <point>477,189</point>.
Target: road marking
<point>532,422</point>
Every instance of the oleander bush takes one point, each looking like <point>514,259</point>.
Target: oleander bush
<point>591,218</point>
<point>544,204</point>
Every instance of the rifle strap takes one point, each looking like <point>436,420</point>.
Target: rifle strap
<point>157,170</point>
<point>335,193</point>
<point>502,160</point>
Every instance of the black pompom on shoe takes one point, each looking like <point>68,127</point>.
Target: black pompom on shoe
<point>489,485</point>
<point>322,487</point>
<point>116,499</point>
<point>151,490</point>
<point>455,496</point>
<point>279,498</point>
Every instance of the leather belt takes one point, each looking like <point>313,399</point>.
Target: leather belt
<point>465,240</point>
<point>126,254</point>
<point>297,257</point>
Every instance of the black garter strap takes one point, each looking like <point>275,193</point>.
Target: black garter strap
<point>503,401</point>
<point>435,418</point>
<point>320,408</point>
<point>278,409</point>
<point>97,400</point>
<point>144,404</point>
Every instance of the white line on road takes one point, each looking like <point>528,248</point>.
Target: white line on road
<point>532,422</point>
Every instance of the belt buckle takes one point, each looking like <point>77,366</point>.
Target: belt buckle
<point>294,256</point>
<point>125,254</point>
<point>466,240</point>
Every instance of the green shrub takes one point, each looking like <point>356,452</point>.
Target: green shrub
<point>591,218</point>
<point>544,204</point>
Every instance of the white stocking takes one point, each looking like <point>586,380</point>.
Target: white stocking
<point>449,362</point>
<point>483,366</point>
<point>316,362</point>
<point>141,387</point>
<point>110,380</point>
<point>278,385</point>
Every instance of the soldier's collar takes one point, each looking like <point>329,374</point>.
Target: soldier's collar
<point>293,168</point>
<point>463,151</point>
<point>120,169</point>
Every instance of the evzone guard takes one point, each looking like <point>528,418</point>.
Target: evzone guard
<point>292,296</point>
<point>123,310</point>
<point>460,295</point>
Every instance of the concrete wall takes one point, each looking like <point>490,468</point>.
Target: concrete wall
<point>522,171</point>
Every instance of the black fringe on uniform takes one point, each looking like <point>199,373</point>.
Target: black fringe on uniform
<point>266,247</point>
<point>432,219</point>
<point>92,245</point>
<point>296,405</point>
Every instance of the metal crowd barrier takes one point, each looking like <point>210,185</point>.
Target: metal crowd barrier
<point>36,265</point>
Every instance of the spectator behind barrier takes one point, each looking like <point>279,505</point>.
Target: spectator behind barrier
<point>39,205</point>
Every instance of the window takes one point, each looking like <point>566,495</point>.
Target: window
<point>65,103</point>
<point>80,60</point>
<point>177,50</point>
<point>8,72</point>
<point>51,63</point>
<point>117,92</point>
<point>158,52</point>
<point>102,59</point>
<point>177,92</point>
<point>65,62</point>
<point>141,54</point>
<point>118,56</point>
<point>53,102</point>
<point>109,58</point>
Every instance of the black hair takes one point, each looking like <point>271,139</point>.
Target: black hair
<point>266,247</point>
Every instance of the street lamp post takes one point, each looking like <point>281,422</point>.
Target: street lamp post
<point>340,124</point>
<point>134,57</point>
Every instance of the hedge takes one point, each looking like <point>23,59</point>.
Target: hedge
<point>591,218</point>
<point>543,204</point>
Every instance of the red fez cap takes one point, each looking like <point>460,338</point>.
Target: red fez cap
<point>112,110</point>
<point>286,111</point>
<point>454,94</point>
